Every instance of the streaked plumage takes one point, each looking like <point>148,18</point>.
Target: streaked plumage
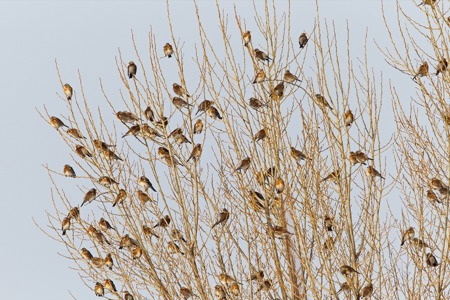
<point>104,225</point>
<point>149,115</point>
<point>173,248</point>
<point>280,232</point>
<point>149,231</point>
<point>136,252</point>
<point>98,262</point>
<point>109,285</point>
<point>367,291</point>
<point>335,176</point>
<point>436,183</point>
<point>109,262</point>
<point>186,293</point>
<point>100,145</point>
<point>297,155</point>
<point>126,241</point>
<point>432,197</point>
<point>74,213</point>
<point>149,132</point>
<point>177,235</point>
<point>111,155</point>
<point>86,254</point>
<point>163,152</point>
<point>431,260</point>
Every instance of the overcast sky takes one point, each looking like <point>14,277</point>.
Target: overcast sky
<point>85,36</point>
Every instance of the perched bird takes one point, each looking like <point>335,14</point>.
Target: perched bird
<point>303,40</point>
<point>75,133</point>
<point>126,241</point>
<point>100,237</point>
<point>220,292</point>
<point>182,139</point>
<point>109,285</point>
<point>423,70</point>
<point>186,293</point>
<point>89,196</point>
<point>224,215</point>
<point>321,101</point>
<point>244,165</point>
<point>99,290</point>
<point>279,185</point>
<point>256,103</point>
<point>177,235</point>
<point>297,155</point>
<point>74,213</point>
<point>109,261</point>
<point>69,172</point>
<point>127,296</point>
<point>419,243</point>
<point>335,175</point>
<point>179,90</point>
<point>196,152</point>
<point>106,181</point>
<point>65,225</point>
<point>149,231</point>
<point>121,196</point>
<point>198,127</point>
<point>367,291</point>
<point>176,132</point>
<point>143,197</point>
<point>442,66</point>
<point>214,113</point>
<point>57,123</point>
<point>260,135</point>
<point>431,260</point>
<point>133,130</point>
<point>372,172</point>
<point>148,113</point>
<point>100,145</point>
<point>358,157</point>
<point>256,201</point>
<point>173,248</point>
<point>86,254</point>
<point>279,90</point>
<point>260,76</point>
<point>104,225</point>
<point>132,69</point>
<point>280,232</point>
<point>204,106</point>
<point>68,91</point>
<point>226,280</point>
<point>344,287</point>
<point>261,56</point>
<point>328,245</point>
<point>436,183</point>
<point>347,270</point>
<point>234,289</point>
<point>163,222</point>
<point>428,2</point>
<point>148,132</point>
<point>444,191</point>
<point>163,152</point>
<point>168,50</point>
<point>145,183</point>
<point>247,37</point>
<point>98,262</point>
<point>257,276</point>
<point>126,117</point>
<point>407,235</point>
<point>432,197</point>
<point>266,285</point>
<point>111,155</point>
<point>348,118</point>
<point>162,122</point>
<point>136,252</point>
<point>180,103</point>
<point>290,78</point>
<point>328,223</point>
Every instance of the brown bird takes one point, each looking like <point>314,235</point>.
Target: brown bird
<point>358,157</point>
<point>428,2</point>
<point>136,252</point>
<point>256,103</point>
<point>266,285</point>
<point>86,254</point>
<point>186,293</point>
<point>335,175</point>
<point>177,235</point>
<point>328,245</point>
<point>196,152</point>
<point>69,172</point>
<point>180,103</point>
<point>163,152</point>
<point>290,78</point>
<point>168,50</point>
<point>261,56</point>
<point>143,197</point>
<point>162,123</point>
<point>148,132</point>
<point>111,155</point>
<point>98,262</point>
<point>234,289</point>
<point>220,292</point>
<point>247,37</point>
<point>89,196</point>
<point>348,118</point>
<point>65,225</point>
<point>109,285</point>
<point>279,90</point>
<point>57,123</point>
<point>134,130</point>
<point>182,139</point>
<point>260,135</point>
<point>431,260</point>
<point>257,276</point>
<point>244,165</point>
<point>256,201</point>
<point>145,183</point>
<point>442,66</point>
<point>179,90</point>
<point>260,76</point>
<point>372,172</point>
<point>419,243</point>
<point>74,213</point>
<point>432,197</point>
<point>121,196</point>
<point>303,40</point>
<point>344,287</point>
<point>328,223</point>
<point>100,237</point>
<point>297,155</point>
<point>198,127</point>
<point>104,225</point>
<point>75,133</point>
<point>127,296</point>
<point>321,101</point>
<point>280,232</point>
<point>173,248</point>
<point>126,117</point>
<point>444,191</point>
<point>163,222</point>
<point>176,132</point>
<point>347,270</point>
<point>407,235</point>
<point>126,241</point>
<point>132,69</point>
<point>224,215</point>
<point>109,261</point>
<point>149,231</point>
<point>214,113</point>
<point>100,145</point>
<point>204,106</point>
<point>436,183</point>
<point>279,185</point>
<point>99,290</point>
<point>367,291</point>
<point>423,71</point>
<point>226,280</point>
<point>106,181</point>
<point>68,91</point>
<point>148,113</point>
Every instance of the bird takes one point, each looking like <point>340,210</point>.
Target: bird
<point>423,70</point>
<point>247,37</point>
<point>98,262</point>
<point>127,296</point>
<point>220,292</point>
<point>163,152</point>
<point>168,50</point>
<point>148,113</point>
<point>321,101</point>
<point>177,235</point>
<point>256,103</point>
<point>173,248</point>
<point>148,231</point>
<point>290,78</point>
<point>224,215</point>
<point>109,262</point>
<point>136,252</point>
<point>143,197</point>
<point>126,241</point>
<point>204,106</point>
<point>176,132</point>
<point>280,232</point>
<point>347,270</point>
<point>75,133</point>
<point>444,191</point>
<point>328,223</point>
<point>256,201</point>
<point>328,245</point>
<point>436,183</point>
<point>179,90</point>
<point>196,152</point>
<point>89,196</point>
<point>110,155</point>
<point>244,165</point>
<point>297,155</point>
<point>335,175</point>
<point>260,76</point>
<point>100,237</point>
<point>303,40</point>
<point>442,66</point>
<point>106,181</point>
<point>121,196</point>
<point>68,91</point>
<point>162,122</point>
<point>358,157</point>
<point>278,90</point>
<point>234,289</point>
<point>432,197</point>
<point>419,243</point>
<point>86,254</point>
<point>145,183</point>
<point>266,285</point>
<point>163,222</point>
<point>69,172</point>
<point>198,126</point>
<point>149,132</point>
<point>279,185</point>
<point>100,145</point>
<point>257,276</point>
<point>180,103</point>
<point>214,113</point>
<point>372,172</point>
<point>431,260</point>
<point>109,285</point>
<point>126,117</point>
<point>260,135</point>
<point>367,291</point>
<point>99,290</point>
<point>133,130</point>
<point>65,225</point>
<point>344,287</point>
<point>428,2</point>
<point>132,69</point>
<point>182,139</point>
<point>407,235</point>
<point>74,213</point>
<point>104,225</point>
<point>348,118</point>
<point>226,280</point>
<point>261,56</point>
<point>56,123</point>
<point>186,293</point>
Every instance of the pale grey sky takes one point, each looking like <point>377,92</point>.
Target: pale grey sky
<point>85,36</point>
